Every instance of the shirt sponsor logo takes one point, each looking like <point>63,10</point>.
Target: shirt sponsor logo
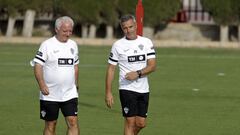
<point>65,61</point>
<point>136,58</point>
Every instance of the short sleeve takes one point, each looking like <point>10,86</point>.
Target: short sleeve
<point>41,55</point>
<point>150,50</point>
<point>76,56</point>
<point>113,56</point>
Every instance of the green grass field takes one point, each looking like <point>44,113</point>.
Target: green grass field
<point>193,92</point>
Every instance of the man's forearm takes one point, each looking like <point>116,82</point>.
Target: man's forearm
<point>151,67</point>
<point>76,75</point>
<point>38,72</point>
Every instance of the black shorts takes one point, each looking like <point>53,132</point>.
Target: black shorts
<point>133,103</point>
<point>49,110</point>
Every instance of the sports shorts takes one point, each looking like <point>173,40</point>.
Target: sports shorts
<point>134,103</point>
<point>49,110</point>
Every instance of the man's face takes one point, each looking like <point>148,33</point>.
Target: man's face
<point>64,32</point>
<point>129,28</point>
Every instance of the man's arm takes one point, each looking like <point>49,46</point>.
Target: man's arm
<point>38,72</point>
<point>76,75</point>
<point>108,85</point>
<point>151,66</point>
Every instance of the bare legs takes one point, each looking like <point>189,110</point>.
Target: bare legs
<point>72,124</point>
<point>50,127</point>
<point>133,125</point>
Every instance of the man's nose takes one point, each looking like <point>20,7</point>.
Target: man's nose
<point>69,33</point>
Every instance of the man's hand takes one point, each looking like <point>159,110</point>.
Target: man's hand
<point>131,76</point>
<point>109,100</point>
<point>44,90</point>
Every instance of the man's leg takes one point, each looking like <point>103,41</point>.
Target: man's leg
<point>49,113</point>
<point>139,124</point>
<point>129,125</point>
<point>72,123</point>
<point>50,127</point>
<point>70,110</point>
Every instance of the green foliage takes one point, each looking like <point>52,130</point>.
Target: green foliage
<point>13,7</point>
<point>159,11</point>
<point>236,11</point>
<point>108,12</point>
<point>45,6</point>
<point>155,11</point>
<point>2,4</point>
<point>90,11</point>
<point>84,11</point>
<point>224,12</point>
<point>126,7</point>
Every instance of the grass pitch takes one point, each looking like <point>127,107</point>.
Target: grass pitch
<point>193,92</point>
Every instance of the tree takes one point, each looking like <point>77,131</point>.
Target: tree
<point>109,16</point>
<point>223,13</point>
<point>236,15</point>
<point>27,8</point>
<point>126,7</point>
<point>155,12</point>
<point>31,9</point>
<point>11,7</point>
<point>85,12</point>
<point>158,11</point>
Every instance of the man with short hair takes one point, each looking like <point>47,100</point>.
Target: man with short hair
<point>135,56</point>
<point>56,71</point>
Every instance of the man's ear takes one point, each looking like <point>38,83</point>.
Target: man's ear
<point>56,30</point>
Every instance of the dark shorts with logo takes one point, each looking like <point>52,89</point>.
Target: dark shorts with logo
<point>49,110</point>
<point>134,103</point>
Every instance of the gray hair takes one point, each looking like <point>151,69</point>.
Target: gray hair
<point>126,18</point>
<point>61,20</point>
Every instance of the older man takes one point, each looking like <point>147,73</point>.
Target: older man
<point>56,71</point>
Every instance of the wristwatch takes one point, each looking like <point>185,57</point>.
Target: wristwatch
<point>139,73</point>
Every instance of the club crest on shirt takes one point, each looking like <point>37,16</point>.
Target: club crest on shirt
<point>140,47</point>
<point>72,50</point>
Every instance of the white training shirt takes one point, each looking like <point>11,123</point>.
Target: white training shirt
<point>58,60</point>
<point>132,55</point>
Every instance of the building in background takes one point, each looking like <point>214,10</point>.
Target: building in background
<point>193,12</point>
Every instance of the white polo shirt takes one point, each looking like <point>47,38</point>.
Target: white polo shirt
<point>58,60</point>
<point>132,55</point>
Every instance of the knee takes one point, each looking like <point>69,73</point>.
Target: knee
<point>72,122</point>
<point>50,126</point>
<point>140,125</point>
